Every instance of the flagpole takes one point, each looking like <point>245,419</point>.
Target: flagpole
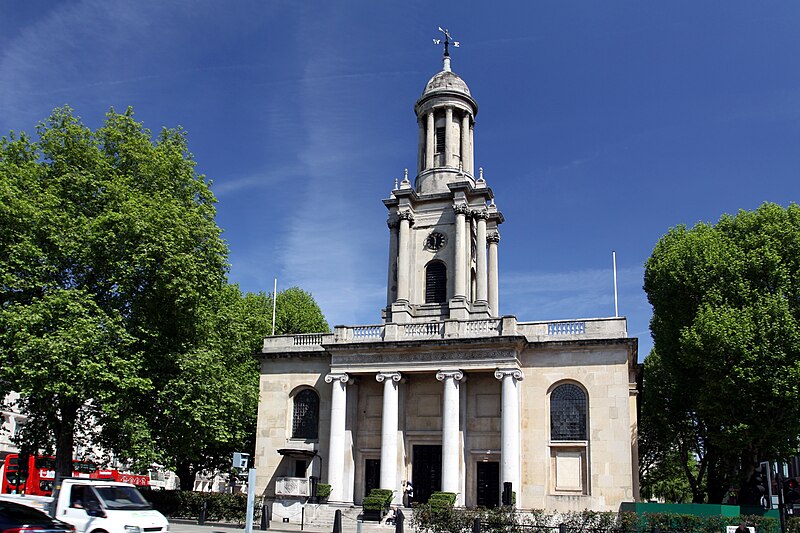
<point>616,300</point>
<point>274,302</point>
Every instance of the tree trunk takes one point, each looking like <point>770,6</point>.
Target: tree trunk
<point>185,475</point>
<point>65,436</point>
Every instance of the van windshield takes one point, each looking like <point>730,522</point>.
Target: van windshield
<point>121,497</point>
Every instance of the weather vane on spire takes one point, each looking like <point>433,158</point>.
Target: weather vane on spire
<point>447,40</point>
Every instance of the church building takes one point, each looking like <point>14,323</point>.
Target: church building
<point>447,393</point>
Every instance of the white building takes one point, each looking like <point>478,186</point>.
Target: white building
<point>11,421</point>
<point>447,392</point>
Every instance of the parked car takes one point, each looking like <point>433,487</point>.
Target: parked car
<point>18,518</point>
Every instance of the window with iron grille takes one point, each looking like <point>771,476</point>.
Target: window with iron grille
<point>568,413</point>
<point>436,283</point>
<point>439,140</point>
<point>305,423</point>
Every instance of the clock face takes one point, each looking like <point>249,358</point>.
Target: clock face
<point>435,241</point>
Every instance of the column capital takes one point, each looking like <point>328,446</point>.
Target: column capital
<point>393,221</point>
<point>457,375</point>
<point>514,373</point>
<point>343,377</point>
<point>480,214</point>
<point>461,208</point>
<point>406,214</point>
<point>380,377</point>
<point>493,237</point>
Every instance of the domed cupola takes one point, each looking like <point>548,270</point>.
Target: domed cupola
<point>446,116</point>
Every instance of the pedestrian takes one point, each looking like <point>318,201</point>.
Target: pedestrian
<point>409,493</point>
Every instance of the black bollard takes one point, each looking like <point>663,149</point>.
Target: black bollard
<point>562,528</point>
<point>476,525</point>
<point>264,517</point>
<point>337,521</point>
<point>399,518</point>
<point>203,509</point>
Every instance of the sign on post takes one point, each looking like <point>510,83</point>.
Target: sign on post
<point>240,460</point>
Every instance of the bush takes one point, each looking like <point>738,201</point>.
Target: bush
<point>430,518</point>
<point>323,490</point>
<point>442,500</point>
<point>220,507</point>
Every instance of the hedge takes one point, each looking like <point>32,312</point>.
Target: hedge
<point>433,518</point>
<point>220,507</point>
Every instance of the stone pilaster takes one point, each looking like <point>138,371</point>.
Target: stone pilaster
<point>389,423</point>
<point>494,299</point>
<point>336,442</point>
<point>448,137</point>
<point>404,245</point>
<point>391,283</point>
<point>465,158</point>
<point>509,427</point>
<point>460,259</point>
<point>450,430</point>
<point>481,275</point>
<point>430,142</point>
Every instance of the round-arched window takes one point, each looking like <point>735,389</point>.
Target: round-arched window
<point>436,283</point>
<point>568,406</point>
<point>305,420</point>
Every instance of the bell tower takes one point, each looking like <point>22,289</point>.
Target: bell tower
<point>443,229</point>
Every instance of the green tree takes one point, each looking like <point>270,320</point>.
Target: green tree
<point>210,408</point>
<point>297,312</point>
<point>667,445</point>
<point>726,304</point>
<point>108,252</point>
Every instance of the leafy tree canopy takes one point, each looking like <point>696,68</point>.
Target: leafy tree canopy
<point>108,251</point>
<point>726,305</point>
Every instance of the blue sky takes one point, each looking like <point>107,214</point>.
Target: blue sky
<point>600,125</point>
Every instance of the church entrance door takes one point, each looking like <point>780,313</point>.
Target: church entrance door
<point>488,484</point>
<point>426,471</point>
<point>372,475</point>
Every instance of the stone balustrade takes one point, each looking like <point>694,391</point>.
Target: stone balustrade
<point>292,486</point>
<point>544,331</point>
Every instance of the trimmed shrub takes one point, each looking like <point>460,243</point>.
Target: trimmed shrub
<point>323,490</point>
<point>220,507</point>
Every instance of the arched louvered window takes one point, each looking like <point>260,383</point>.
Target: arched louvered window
<point>440,140</point>
<point>305,422</point>
<point>568,405</point>
<point>436,283</point>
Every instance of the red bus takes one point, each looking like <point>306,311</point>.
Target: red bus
<point>37,479</point>
<point>116,475</point>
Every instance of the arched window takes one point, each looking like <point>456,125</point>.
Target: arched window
<point>568,407</point>
<point>436,283</point>
<point>305,422</point>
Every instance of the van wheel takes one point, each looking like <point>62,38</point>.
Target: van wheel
<point>99,531</point>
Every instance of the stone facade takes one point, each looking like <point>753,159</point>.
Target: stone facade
<point>447,393</point>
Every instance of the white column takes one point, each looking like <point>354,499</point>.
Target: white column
<point>480,271</point>
<point>391,284</point>
<point>465,143</point>
<point>450,429</point>
<point>494,299</point>
<point>402,259</point>
<point>336,442</point>
<point>430,142</point>
<point>460,258</point>
<point>448,137</point>
<point>509,427</point>
<point>421,146</point>
<point>472,148</point>
<point>389,420</point>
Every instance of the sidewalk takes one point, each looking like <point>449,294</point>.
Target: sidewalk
<point>348,526</point>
